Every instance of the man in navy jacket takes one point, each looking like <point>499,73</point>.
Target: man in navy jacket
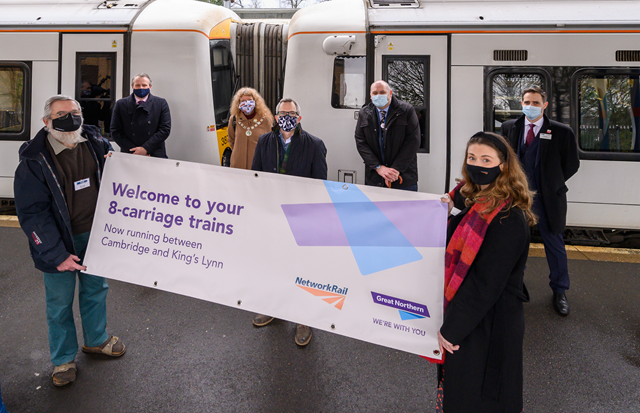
<point>290,150</point>
<point>56,188</point>
<point>141,122</point>
<point>549,154</point>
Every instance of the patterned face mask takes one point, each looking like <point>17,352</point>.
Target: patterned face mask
<point>247,106</point>
<point>287,123</point>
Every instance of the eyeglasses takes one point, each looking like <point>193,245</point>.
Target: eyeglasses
<point>65,114</point>
<point>287,113</point>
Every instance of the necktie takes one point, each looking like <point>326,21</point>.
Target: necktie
<point>530,135</point>
<point>383,116</point>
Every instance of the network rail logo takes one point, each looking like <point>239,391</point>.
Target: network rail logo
<point>408,309</point>
<point>382,235</point>
<point>332,293</point>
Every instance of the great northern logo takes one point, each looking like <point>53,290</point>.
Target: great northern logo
<point>329,293</point>
<point>408,309</point>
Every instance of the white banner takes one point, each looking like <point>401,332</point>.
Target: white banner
<point>360,261</point>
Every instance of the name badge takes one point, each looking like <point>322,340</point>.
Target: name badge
<point>545,136</point>
<point>81,184</point>
<point>455,211</point>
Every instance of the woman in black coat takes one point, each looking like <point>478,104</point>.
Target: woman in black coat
<point>487,248</point>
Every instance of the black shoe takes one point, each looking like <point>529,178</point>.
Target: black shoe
<point>561,304</point>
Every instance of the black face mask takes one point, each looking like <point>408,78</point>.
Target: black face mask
<point>67,123</point>
<point>483,176</point>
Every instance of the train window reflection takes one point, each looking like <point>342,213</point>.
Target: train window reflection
<point>349,90</point>
<point>506,95</point>
<point>94,78</point>
<point>408,77</point>
<point>223,79</point>
<point>12,100</point>
<point>609,112</point>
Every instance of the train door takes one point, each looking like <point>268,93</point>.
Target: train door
<point>416,69</point>
<point>91,72</point>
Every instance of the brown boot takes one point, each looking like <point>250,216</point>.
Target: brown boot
<point>64,374</point>
<point>261,320</point>
<point>303,335</point>
<point>113,347</point>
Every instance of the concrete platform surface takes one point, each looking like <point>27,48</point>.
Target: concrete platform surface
<point>186,355</point>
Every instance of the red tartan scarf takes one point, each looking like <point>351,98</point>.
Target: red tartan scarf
<point>464,245</point>
<point>463,248</point>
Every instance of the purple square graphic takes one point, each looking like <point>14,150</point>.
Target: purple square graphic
<point>423,223</point>
<point>315,225</point>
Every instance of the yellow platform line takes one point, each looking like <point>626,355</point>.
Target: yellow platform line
<point>9,221</point>
<point>577,252</point>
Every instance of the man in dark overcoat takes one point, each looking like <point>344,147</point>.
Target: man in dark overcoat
<point>290,150</point>
<point>141,122</point>
<point>549,154</point>
<point>388,137</point>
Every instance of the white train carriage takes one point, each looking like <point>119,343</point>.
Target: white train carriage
<point>90,49</point>
<point>463,65</point>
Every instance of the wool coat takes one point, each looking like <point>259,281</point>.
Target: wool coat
<point>147,124</point>
<point>486,319</point>
<point>307,155</point>
<point>558,161</point>
<point>242,146</point>
<point>401,142</point>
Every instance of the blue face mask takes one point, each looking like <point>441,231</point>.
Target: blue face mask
<point>380,100</point>
<point>532,112</point>
<point>141,93</point>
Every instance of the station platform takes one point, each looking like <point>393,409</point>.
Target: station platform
<point>187,355</point>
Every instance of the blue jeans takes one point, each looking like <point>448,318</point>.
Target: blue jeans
<point>60,290</point>
<point>3,409</point>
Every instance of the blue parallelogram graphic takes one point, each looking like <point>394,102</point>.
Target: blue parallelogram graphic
<point>376,243</point>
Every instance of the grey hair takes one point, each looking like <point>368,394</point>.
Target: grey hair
<point>57,98</point>
<point>288,100</point>
<point>143,74</point>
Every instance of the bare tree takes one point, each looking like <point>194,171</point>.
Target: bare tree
<point>216,2</point>
<point>293,4</point>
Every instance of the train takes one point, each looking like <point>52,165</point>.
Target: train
<point>461,63</point>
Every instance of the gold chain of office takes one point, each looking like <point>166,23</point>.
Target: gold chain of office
<point>250,128</point>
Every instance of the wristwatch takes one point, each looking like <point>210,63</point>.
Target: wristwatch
<point>378,167</point>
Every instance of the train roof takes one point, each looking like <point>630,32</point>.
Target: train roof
<point>466,15</point>
<point>82,14</point>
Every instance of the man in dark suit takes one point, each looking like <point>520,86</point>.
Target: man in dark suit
<point>388,137</point>
<point>549,154</point>
<point>141,122</point>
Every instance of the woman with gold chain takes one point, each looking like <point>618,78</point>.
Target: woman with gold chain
<point>250,119</point>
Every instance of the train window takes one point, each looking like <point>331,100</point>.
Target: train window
<point>223,80</point>
<point>608,111</point>
<point>506,94</point>
<point>95,73</point>
<point>15,91</point>
<point>408,78</point>
<point>349,82</point>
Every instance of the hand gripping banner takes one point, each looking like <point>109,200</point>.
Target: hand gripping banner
<point>363,262</point>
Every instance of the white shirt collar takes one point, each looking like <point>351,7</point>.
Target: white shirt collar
<point>537,125</point>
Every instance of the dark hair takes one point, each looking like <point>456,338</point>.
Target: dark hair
<point>492,139</point>
<point>535,89</point>
<point>510,185</point>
